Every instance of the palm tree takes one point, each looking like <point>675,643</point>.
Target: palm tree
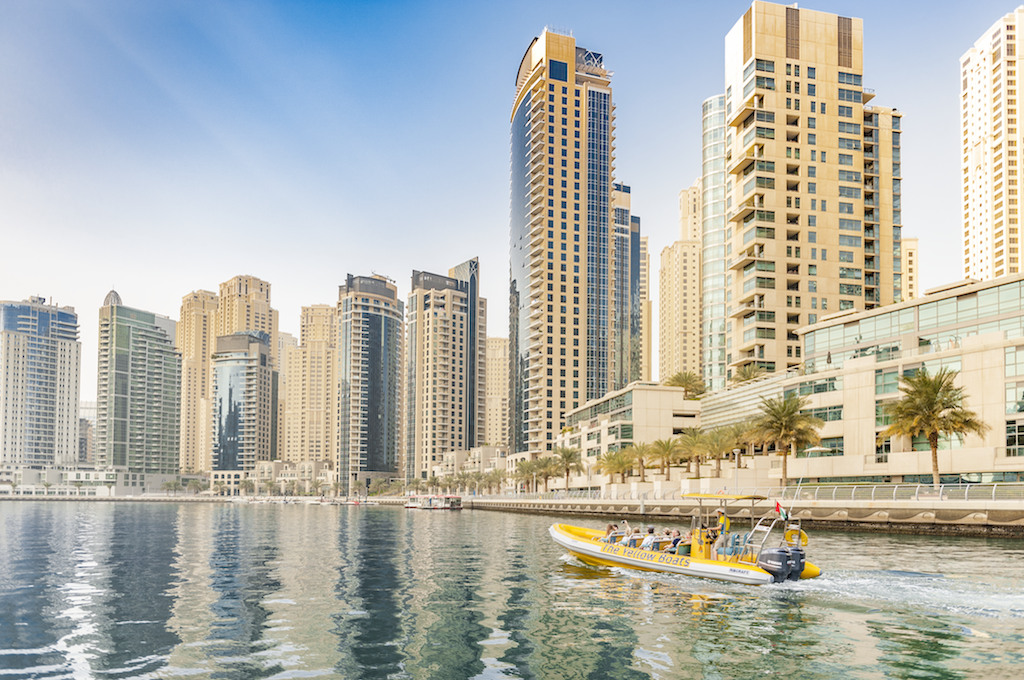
<point>195,486</point>
<point>46,486</point>
<point>691,448</point>
<point>690,382</point>
<point>336,487</point>
<point>315,486</point>
<point>219,488</point>
<point>666,451</point>
<point>641,454</point>
<point>783,423</point>
<point>717,443</point>
<point>433,484</point>
<point>931,406</point>
<point>568,461</point>
<point>546,469</point>
<point>747,372</point>
<point>247,486</point>
<point>526,472</point>
<point>614,463</point>
<point>744,437</point>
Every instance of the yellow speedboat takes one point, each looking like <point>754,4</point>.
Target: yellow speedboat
<point>752,559</point>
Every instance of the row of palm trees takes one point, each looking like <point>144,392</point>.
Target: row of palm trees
<point>930,406</point>
<point>693,385</point>
<point>781,423</point>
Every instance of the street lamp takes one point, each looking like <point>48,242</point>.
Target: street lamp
<point>736,469</point>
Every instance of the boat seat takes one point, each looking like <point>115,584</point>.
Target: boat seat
<point>735,545</point>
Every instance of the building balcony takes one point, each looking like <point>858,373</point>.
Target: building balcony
<point>742,111</point>
<point>744,209</point>
<point>744,159</point>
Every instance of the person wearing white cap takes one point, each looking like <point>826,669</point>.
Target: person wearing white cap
<point>723,533</point>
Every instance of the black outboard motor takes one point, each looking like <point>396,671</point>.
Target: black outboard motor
<point>782,563</point>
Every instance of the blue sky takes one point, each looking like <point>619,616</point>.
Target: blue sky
<point>161,147</point>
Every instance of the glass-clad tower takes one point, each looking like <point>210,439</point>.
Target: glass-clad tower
<point>39,383</point>
<point>563,320</point>
<point>138,390</point>
<point>371,328</point>
<point>713,256</point>
<point>244,396</point>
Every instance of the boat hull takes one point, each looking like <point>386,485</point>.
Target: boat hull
<point>584,545</point>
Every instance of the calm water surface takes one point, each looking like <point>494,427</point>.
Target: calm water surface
<point>109,590</point>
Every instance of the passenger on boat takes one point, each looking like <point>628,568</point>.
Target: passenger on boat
<point>648,542</point>
<point>723,532</point>
<point>631,539</point>
<point>608,532</point>
<point>676,537</point>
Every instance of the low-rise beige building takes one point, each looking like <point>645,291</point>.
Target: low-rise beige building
<point>854,362</point>
<point>639,413</point>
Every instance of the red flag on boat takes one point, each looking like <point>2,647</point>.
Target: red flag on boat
<point>778,509</point>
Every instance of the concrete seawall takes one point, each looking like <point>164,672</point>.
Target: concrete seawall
<point>1004,519</point>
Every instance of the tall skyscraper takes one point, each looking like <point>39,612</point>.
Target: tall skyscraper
<point>446,351</point>
<point>645,331</point>
<point>195,337</point>
<point>242,305</point>
<point>630,288</point>
<point>243,402</point>
<point>679,285</point>
<point>39,384</point>
<point>565,328</point>
<point>138,395</point>
<point>714,279</point>
<point>311,399</point>
<point>285,343</point>
<point>496,409</point>
<point>992,151</point>
<point>814,222</point>
<point>370,341</point>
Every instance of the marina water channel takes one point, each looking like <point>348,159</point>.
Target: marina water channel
<point>163,590</point>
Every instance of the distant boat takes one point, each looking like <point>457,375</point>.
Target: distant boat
<point>447,502</point>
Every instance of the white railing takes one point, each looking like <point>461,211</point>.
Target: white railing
<point>1008,491</point>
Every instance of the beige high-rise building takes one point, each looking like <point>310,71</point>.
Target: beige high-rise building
<point>992,152</point>
<point>310,387</point>
<point>243,305</point>
<point>496,406</point>
<point>813,194</point>
<point>646,331</point>
<point>194,338</point>
<point>445,381</point>
<point>565,329</point>
<point>285,343</point>
<point>679,339</point>
<point>911,259</point>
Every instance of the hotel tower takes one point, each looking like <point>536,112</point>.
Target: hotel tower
<point>813,178</point>
<point>991,153</point>
<point>566,322</point>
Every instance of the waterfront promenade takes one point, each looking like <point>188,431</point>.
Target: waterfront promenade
<point>995,510</point>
